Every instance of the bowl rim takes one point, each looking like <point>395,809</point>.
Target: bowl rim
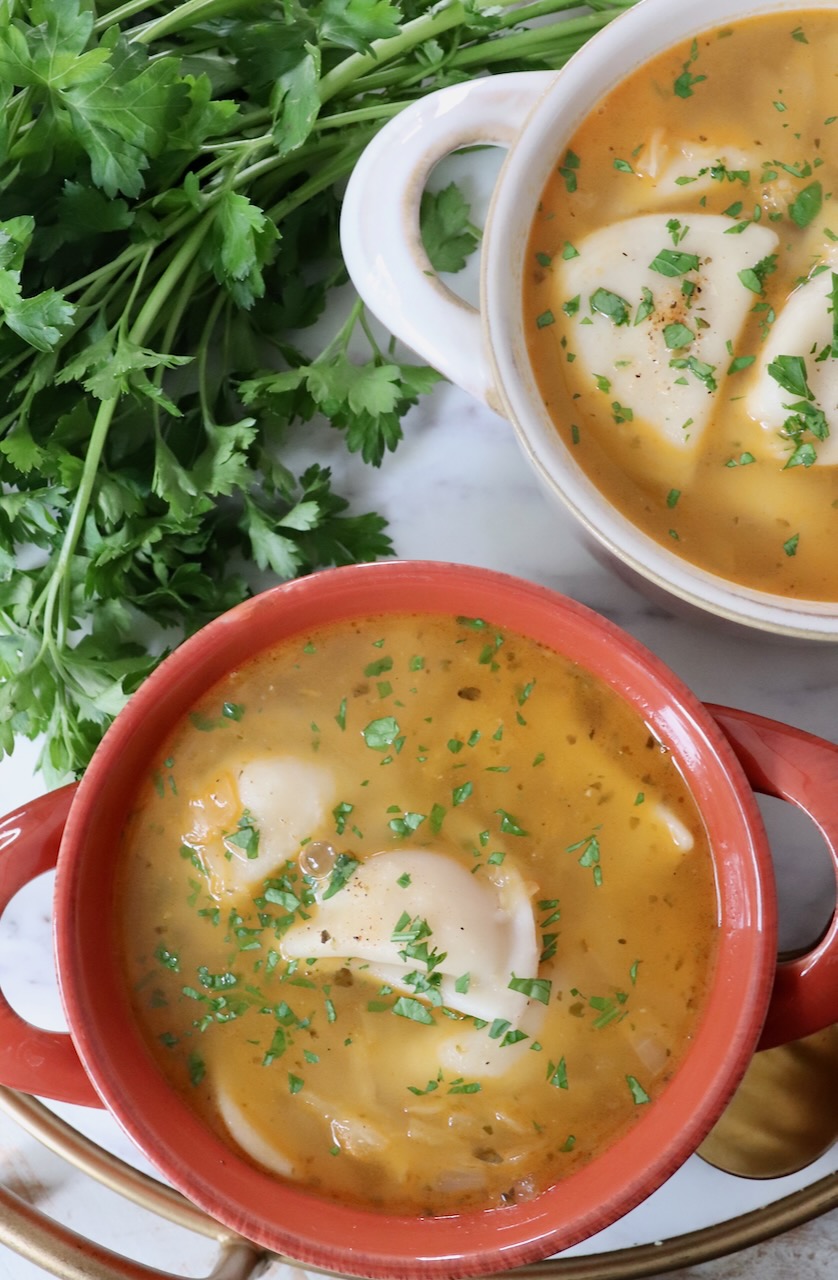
<point>338,1237</point>
<point>630,40</point>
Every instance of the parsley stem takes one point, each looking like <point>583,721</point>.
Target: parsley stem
<point>328,174</point>
<point>412,33</point>
<point>556,42</point>
<point>60,581</point>
<point>184,15</point>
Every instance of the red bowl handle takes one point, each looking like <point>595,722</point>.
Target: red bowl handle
<point>31,1059</point>
<point>798,767</point>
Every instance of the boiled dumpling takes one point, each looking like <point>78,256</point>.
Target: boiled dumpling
<point>803,328</point>
<point>670,169</point>
<point>484,928</point>
<point>248,821</point>
<point>663,354</point>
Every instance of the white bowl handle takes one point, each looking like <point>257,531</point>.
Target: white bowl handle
<point>380,237</point>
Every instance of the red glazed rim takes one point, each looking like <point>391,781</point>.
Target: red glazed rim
<point>287,1219</point>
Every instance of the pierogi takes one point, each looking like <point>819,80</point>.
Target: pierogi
<point>417,913</point>
<point>681,301</point>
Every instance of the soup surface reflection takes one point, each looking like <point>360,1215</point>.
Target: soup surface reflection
<point>681,299</point>
<point>417,913</point>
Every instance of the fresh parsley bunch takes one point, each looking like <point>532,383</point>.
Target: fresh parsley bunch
<point>168,231</point>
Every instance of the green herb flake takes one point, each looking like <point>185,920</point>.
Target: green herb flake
<point>674,262</point>
<point>461,1086</point>
<point>568,170</point>
<point>605,303</point>
<point>379,667</point>
<point>340,813</point>
<point>638,1093</point>
<point>413,1010</point>
<point>645,307</point>
<point>533,988</point>
<point>430,1087</point>
<point>407,824</point>
<point>344,866</point>
<point>437,817</point>
<point>510,825</point>
<point>807,205</point>
<point>167,958</point>
<point>677,336</point>
<point>245,837</point>
<point>460,794</point>
<point>545,319</point>
<point>197,1069</point>
<point>791,544</point>
<point>382,733</point>
<point>590,855</point>
<point>557,1074</point>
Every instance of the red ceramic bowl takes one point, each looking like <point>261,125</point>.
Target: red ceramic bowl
<point>723,754</point>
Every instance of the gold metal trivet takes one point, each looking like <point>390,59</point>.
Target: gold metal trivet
<point>72,1257</point>
<point>784,1115</point>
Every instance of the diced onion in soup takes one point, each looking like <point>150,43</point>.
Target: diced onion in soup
<point>635,360</point>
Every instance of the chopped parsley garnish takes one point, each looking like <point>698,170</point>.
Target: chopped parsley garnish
<point>340,813</point>
<point>590,856</point>
<point>509,824</point>
<point>382,733</point>
<point>610,305</point>
<point>344,866</point>
<point>674,262</point>
<point>568,170</point>
<point>413,1010</point>
<point>533,988</point>
<point>807,205</point>
<point>197,1069</point>
<point>557,1074</point>
<point>638,1093</point>
<point>753,278</point>
<point>245,837</point>
<point>379,667</point>
<point>684,84</point>
<point>646,307</point>
<point>677,336</point>
<point>407,824</point>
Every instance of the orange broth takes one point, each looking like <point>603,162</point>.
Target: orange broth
<point>533,782</point>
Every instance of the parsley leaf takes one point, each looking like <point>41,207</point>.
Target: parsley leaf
<point>447,232</point>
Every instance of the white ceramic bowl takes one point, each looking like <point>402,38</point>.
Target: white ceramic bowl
<point>534,114</point>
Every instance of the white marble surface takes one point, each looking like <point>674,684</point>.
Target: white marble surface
<point>459,489</point>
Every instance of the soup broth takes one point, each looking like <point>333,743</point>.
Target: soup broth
<point>417,913</point>
<point>681,294</point>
